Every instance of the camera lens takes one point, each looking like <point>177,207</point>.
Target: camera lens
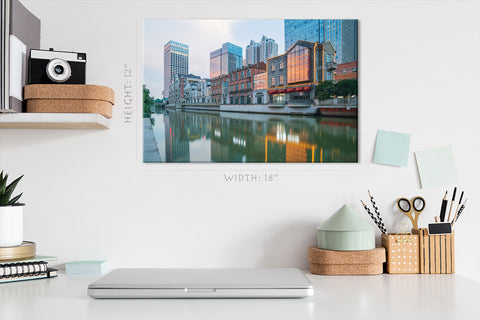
<point>59,69</point>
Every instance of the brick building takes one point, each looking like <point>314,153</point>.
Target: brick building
<point>219,89</point>
<point>347,70</point>
<point>241,83</point>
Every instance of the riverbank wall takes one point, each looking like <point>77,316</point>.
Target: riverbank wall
<point>282,109</point>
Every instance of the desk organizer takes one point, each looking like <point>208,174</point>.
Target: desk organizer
<point>437,252</point>
<point>357,262</point>
<point>402,252</point>
<point>69,98</point>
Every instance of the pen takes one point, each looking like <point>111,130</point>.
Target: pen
<point>451,204</point>
<point>458,207</point>
<point>444,207</point>
<point>459,212</point>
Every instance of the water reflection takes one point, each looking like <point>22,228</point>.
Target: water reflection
<point>240,137</point>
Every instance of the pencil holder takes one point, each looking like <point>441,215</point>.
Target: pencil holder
<point>437,252</point>
<point>402,252</point>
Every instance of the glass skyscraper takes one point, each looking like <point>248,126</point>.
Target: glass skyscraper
<point>343,34</point>
<point>226,59</point>
<point>175,61</point>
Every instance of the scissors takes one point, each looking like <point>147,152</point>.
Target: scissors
<point>417,204</point>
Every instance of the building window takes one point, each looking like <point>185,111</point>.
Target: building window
<point>231,100</point>
<point>236,76</point>
<point>273,81</point>
<point>242,100</point>
<point>242,74</point>
<point>249,85</point>
<point>248,100</point>
<point>249,73</point>
<point>236,100</point>
<point>243,86</point>
<point>236,87</point>
<point>231,77</point>
<point>280,80</point>
<point>231,87</point>
<point>272,67</point>
<point>298,64</point>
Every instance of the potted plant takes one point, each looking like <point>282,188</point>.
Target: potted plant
<point>11,213</point>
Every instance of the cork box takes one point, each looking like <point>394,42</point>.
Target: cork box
<point>69,98</point>
<point>402,252</point>
<point>437,252</point>
<point>357,262</point>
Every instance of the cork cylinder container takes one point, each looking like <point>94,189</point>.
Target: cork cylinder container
<point>69,98</point>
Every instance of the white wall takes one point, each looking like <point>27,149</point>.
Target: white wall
<point>89,196</point>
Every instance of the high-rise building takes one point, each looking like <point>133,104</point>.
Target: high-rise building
<point>175,61</point>
<point>226,59</point>
<point>261,51</point>
<point>343,34</point>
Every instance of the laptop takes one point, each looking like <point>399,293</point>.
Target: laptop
<point>202,283</point>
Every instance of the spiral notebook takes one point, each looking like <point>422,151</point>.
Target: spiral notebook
<point>35,268</point>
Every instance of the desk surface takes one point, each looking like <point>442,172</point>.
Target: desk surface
<point>367,297</point>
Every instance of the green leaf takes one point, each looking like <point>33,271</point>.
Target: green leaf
<point>3,183</point>
<point>14,199</point>
<point>11,187</point>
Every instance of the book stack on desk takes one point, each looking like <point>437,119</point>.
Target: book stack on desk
<point>31,269</point>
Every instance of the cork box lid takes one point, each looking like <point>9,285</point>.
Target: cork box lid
<point>69,91</point>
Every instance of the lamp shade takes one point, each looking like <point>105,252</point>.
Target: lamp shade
<point>345,230</point>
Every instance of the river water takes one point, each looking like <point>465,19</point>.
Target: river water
<point>185,136</point>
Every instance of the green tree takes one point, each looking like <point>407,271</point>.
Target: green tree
<point>148,102</point>
<point>325,90</point>
<point>347,87</point>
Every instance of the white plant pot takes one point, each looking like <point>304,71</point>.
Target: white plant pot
<point>11,226</point>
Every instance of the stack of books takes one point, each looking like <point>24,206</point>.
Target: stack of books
<point>21,270</point>
<point>19,32</point>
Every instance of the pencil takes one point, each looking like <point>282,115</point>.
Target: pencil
<point>377,212</point>
<point>458,207</point>
<point>451,204</point>
<point>379,225</point>
<point>444,207</point>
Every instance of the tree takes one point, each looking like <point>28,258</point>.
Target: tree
<point>148,102</point>
<point>347,87</point>
<point>325,90</point>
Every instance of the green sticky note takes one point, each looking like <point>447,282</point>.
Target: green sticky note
<point>392,148</point>
<point>436,167</point>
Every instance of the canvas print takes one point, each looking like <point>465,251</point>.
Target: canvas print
<point>236,91</point>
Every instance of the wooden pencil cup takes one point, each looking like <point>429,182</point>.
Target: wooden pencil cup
<point>437,252</point>
<point>402,252</point>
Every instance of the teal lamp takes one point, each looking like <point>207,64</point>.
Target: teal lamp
<point>345,230</point>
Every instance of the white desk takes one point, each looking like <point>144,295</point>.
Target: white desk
<point>370,297</point>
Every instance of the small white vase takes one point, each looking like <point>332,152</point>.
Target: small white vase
<point>11,226</point>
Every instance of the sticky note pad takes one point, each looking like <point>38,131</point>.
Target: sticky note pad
<point>85,267</point>
<point>392,148</point>
<point>436,167</point>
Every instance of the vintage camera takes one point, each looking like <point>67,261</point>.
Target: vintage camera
<point>49,66</point>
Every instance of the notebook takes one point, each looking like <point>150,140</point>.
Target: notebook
<point>202,283</point>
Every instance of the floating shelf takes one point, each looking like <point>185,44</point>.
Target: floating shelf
<point>54,121</point>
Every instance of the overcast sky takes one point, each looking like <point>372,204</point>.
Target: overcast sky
<point>202,37</point>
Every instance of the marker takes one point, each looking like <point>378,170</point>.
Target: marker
<point>444,207</point>
<point>451,204</point>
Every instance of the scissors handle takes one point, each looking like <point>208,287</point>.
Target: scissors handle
<point>405,207</point>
